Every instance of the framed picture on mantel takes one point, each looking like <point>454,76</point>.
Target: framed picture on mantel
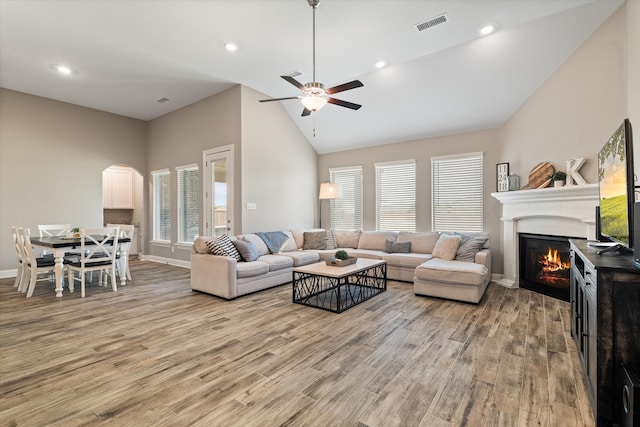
<point>502,176</point>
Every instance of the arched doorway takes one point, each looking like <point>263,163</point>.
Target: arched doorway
<point>123,201</point>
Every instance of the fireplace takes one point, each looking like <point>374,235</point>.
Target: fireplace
<point>545,264</point>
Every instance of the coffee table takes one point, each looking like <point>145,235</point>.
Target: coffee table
<point>337,289</point>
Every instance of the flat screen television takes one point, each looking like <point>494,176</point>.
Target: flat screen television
<point>616,185</point>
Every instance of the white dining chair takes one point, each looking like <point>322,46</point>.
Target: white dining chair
<point>98,248</point>
<point>32,264</point>
<point>17,242</point>
<point>126,231</point>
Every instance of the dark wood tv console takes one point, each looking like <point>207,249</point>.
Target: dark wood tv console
<point>605,324</point>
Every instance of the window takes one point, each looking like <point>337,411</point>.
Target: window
<point>161,205</point>
<point>457,192</point>
<point>188,203</point>
<point>396,196</point>
<point>346,212</point>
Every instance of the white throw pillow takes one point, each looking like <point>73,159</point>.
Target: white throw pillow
<point>447,247</point>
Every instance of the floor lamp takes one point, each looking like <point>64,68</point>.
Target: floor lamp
<point>328,190</point>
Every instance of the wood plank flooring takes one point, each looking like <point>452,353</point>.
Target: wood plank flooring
<point>157,353</point>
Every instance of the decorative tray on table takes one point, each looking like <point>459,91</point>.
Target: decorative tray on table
<point>341,262</point>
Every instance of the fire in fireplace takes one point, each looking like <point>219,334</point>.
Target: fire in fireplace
<point>545,265</point>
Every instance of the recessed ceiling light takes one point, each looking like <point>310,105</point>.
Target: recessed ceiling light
<point>63,69</point>
<point>380,64</point>
<point>231,47</point>
<point>487,29</point>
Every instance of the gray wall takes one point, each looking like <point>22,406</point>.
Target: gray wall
<point>571,115</point>
<point>279,168</point>
<point>52,155</point>
<point>179,138</point>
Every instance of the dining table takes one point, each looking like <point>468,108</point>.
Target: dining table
<point>60,245</point>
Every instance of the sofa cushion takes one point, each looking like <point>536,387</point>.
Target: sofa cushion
<point>277,262</point>
<point>247,250</point>
<point>348,238</point>
<point>314,240</point>
<point>447,246</point>
<point>421,242</point>
<point>410,260</point>
<point>290,244</point>
<point>397,247</point>
<point>251,269</point>
<point>259,244</point>
<point>375,240</point>
<point>367,253</point>
<point>223,246</point>
<point>459,272</point>
<point>302,257</point>
<point>469,247</point>
<point>330,241</point>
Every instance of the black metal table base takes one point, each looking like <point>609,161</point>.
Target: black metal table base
<point>339,294</point>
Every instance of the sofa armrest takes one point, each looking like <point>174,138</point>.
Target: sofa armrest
<point>214,275</point>
<point>484,257</point>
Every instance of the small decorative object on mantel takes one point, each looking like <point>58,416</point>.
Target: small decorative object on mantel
<point>341,259</point>
<point>539,176</point>
<point>502,174</point>
<point>573,166</point>
<point>558,178</point>
<point>514,182</point>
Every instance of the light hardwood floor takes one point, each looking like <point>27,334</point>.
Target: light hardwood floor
<point>156,353</point>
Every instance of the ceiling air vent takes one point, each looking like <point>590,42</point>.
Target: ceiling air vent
<point>440,19</point>
<point>163,100</point>
<point>295,73</point>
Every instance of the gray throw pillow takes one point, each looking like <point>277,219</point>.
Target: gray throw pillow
<point>247,250</point>
<point>330,241</point>
<point>314,240</point>
<point>469,247</point>
<point>392,247</point>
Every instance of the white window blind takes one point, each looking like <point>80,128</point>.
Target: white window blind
<point>396,196</point>
<point>188,203</point>
<point>161,205</point>
<point>346,212</point>
<point>457,199</point>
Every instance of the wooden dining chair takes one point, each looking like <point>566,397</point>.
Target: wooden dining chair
<point>17,242</point>
<point>98,247</point>
<point>33,265</point>
<point>126,231</point>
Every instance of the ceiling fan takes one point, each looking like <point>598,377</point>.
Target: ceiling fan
<point>314,95</point>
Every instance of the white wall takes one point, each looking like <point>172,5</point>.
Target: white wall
<point>633,75</point>
<point>52,155</point>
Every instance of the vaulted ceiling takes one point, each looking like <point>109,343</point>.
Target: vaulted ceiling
<point>125,55</point>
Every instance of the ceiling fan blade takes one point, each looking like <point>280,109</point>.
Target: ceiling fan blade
<point>344,103</point>
<point>279,99</point>
<point>306,112</point>
<point>294,82</point>
<point>346,86</point>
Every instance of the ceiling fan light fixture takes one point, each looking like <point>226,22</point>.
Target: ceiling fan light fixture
<point>314,102</point>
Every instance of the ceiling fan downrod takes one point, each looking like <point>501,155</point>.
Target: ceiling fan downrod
<point>314,6</point>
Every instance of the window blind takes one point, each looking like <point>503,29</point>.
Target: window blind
<point>188,203</point>
<point>396,196</point>
<point>161,205</point>
<point>456,191</point>
<point>346,212</point>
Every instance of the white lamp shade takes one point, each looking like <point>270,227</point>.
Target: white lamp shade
<point>314,102</point>
<point>329,190</point>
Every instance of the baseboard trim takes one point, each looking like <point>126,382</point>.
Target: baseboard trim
<point>169,261</point>
<point>5,274</point>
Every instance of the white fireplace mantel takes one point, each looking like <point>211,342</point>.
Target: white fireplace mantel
<point>560,211</point>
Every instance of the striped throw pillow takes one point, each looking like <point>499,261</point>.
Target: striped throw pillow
<point>223,246</point>
<point>330,241</point>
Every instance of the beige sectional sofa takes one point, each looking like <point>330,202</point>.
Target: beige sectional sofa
<point>446,265</point>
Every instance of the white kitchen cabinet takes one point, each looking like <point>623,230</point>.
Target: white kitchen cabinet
<point>117,188</point>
